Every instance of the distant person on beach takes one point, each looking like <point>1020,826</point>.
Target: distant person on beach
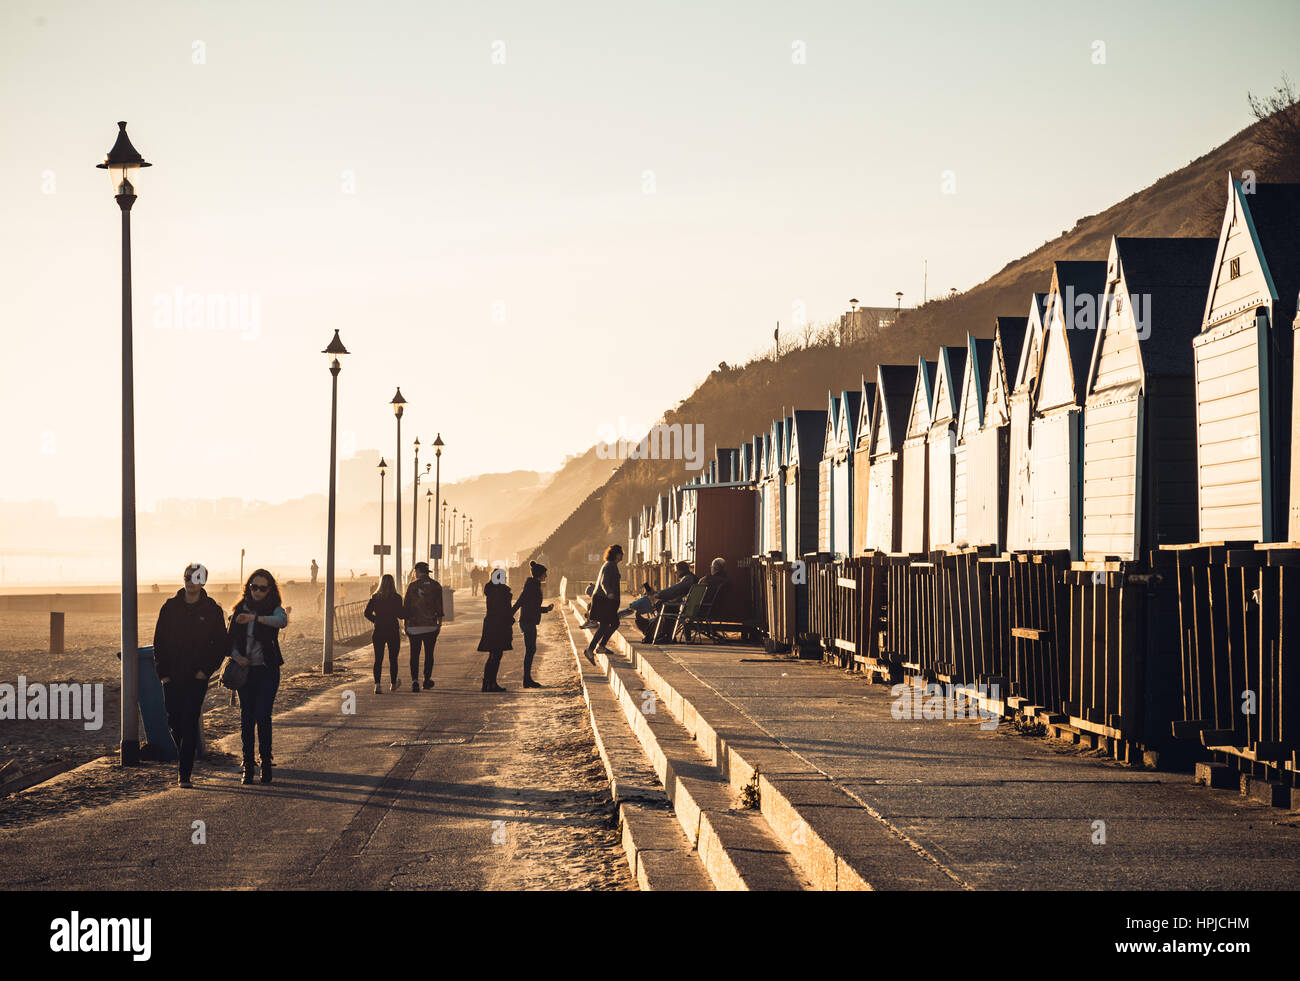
<point>529,606</point>
<point>189,642</point>
<point>422,611</point>
<point>497,631</point>
<point>315,569</point>
<point>605,599</point>
<point>675,595</point>
<point>384,610</point>
<point>255,626</point>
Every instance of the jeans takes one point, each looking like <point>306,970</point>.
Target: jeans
<point>604,631</point>
<point>529,630</point>
<point>427,641</point>
<point>256,700</point>
<point>639,605</point>
<point>183,698</point>
<point>393,642</point>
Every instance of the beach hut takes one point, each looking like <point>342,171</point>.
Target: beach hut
<point>1139,422</point>
<point>984,435</point>
<point>893,396</point>
<point>1056,448</point>
<point>941,442</point>
<point>966,436</point>
<point>862,465</point>
<point>1028,362</point>
<point>824,474</point>
<point>659,533</point>
<point>842,484</point>
<point>1244,358</point>
<point>916,461</point>
<point>806,435</point>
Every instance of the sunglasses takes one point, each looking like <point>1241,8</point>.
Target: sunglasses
<point>258,589</point>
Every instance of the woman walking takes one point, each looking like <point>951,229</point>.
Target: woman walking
<point>497,631</point>
<point>605,601</point>
<point>384,610</point>
<point>530,610</point>
<point>255,627</point>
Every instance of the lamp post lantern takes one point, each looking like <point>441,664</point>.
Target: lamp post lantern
<point>124,163</point>
<point>333,351</point>
<point>437,495</point>
<point>398,404</point>
<point>383,470</point>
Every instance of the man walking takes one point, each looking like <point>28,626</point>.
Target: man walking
<point>422,611</point>
<point>189,642</point>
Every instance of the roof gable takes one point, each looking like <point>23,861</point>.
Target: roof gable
<point>918,418</point>
<point>1029,356</point>
<point>894,387</point>
<point>975,384</point>
<point>866,412</point>
<point>807,437</point>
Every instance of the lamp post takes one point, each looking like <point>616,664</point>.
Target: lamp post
<point>451,549</point>
<point>853,318</point>
<point>334,351</point>
<point>383,470</point>
<point>123,163</point>
<point>437,495</point>
<point>899,294</point>
<point>442,523</point>
<point>415,508</point>
<point>428,519</point>
<point>398,404</point>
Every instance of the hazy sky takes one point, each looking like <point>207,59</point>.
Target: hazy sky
<point>536,219</point>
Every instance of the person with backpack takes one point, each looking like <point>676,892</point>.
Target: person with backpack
<point>255,625</point>
<point>422,610</point>
<point>530,609</point>
<point>385,610</point>
<point>189,642</point>
<point>498,630</point>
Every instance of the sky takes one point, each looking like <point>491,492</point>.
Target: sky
<point>538,220</point>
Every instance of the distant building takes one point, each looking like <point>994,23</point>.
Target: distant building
<point>864,322</point>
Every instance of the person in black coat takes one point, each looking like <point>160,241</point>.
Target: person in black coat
<point>497,631</point>
<point>530,609</point>
<point>189,642</point>
<point>385,610</point>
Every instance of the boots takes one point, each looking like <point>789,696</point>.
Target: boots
<point>490,672</point>
<point>266,771</point>
<point>528,672</point>
<point>248,772</point>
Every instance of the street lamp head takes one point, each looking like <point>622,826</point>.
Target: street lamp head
<point>417,446</point>
<point>334,350</point>
<point>383,466</point>
<point>438,445</point>
<point>123,163</point>
<point>398,403</point>
<point>854,304</point>
<point>428,493</point>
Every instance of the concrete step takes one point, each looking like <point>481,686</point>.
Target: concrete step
<point>736,846</point>
<point>838,840</point>
<point>658,853</point>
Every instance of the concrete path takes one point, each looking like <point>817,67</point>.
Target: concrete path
<point>447,789</point>
<point>992,809</point>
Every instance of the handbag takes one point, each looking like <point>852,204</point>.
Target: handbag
<point>232,674</point>
<point>603,608</point>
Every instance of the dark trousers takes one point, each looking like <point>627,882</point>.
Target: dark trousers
<point>490,669</point>
<point>529,630</point>
<point>604,631</point>
<point>256,700</point>
<point>426,641</point>
<point>183,698</point>
<point>393,642</point>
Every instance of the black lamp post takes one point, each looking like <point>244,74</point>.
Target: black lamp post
<point>428,521</point>
<point>383,469</point>
<point>123,164</point>
<point>398,404</point>
<point>451,549</point>
<point>437,495</point>
<point>333,351</point>
<point>415,506</point>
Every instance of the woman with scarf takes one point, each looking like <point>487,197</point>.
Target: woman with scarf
<point>255,627</point>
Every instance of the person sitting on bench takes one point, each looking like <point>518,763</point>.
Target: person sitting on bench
<point>641,604</point>
<point>674,595</point>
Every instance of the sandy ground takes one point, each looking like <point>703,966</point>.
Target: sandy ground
<point>91,641</point>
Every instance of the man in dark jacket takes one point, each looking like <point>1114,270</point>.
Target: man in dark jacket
<point>189,642</point>
<point>530,610</point>
<point>673,595</point>
<point>422,611</point>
